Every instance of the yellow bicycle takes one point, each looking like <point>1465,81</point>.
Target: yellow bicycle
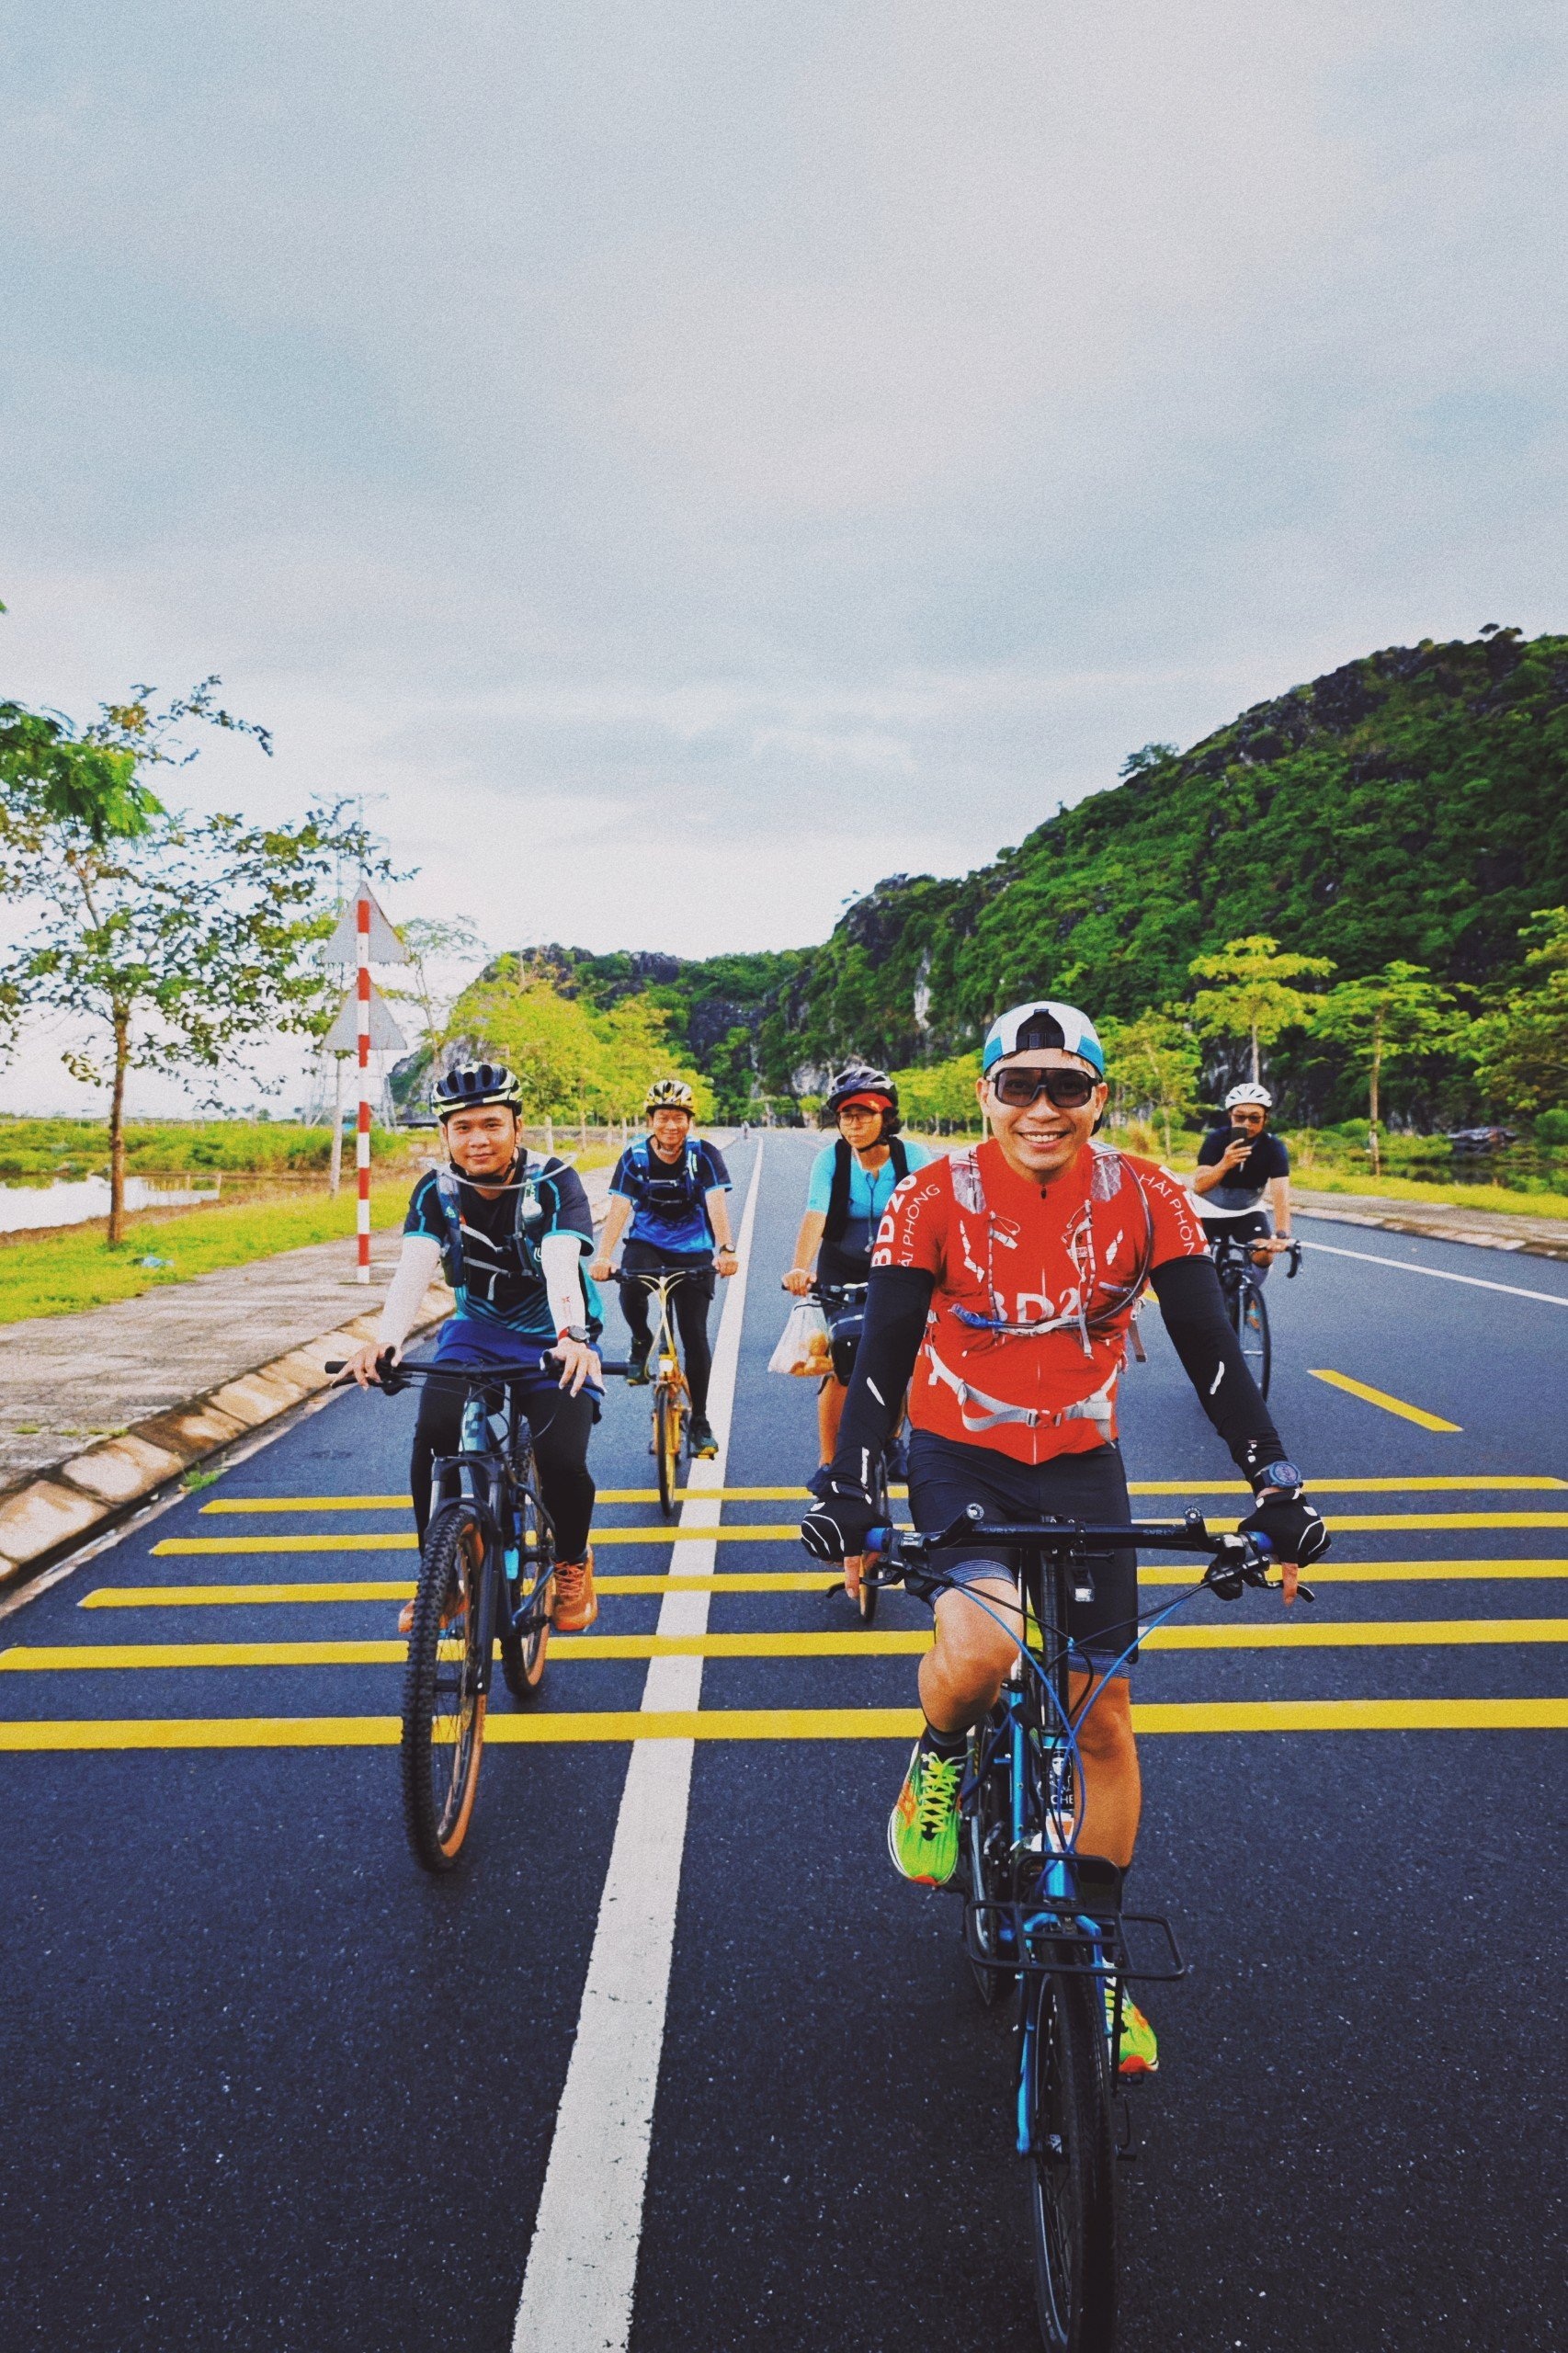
<point>672,1398</point>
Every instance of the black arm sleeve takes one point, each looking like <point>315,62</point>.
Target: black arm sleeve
<point>1193,1307</point>
<point>897,1303</point>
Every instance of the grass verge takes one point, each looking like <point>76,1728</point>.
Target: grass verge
<point>1500,1197</point>
<point>63,1272</point>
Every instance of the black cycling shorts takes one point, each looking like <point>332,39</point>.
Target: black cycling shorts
<point>944,1477</point>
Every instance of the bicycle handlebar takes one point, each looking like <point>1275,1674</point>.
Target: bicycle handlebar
<point>1235,1562</point>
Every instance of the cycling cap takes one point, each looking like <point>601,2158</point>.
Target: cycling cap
<point>861,1081</point>
<point>471,1086</point>
<point>1028,1028</point>
<point>1250,1093</point>
<point>669,1094</point>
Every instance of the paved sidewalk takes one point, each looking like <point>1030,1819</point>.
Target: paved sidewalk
<point>1539,1237</point>
<point>99,1409</point>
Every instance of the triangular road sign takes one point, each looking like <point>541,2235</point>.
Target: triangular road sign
<point>343,1037</point>
<point>342,948</point>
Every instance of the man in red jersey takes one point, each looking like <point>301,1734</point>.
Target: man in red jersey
<point>1003,1279</point>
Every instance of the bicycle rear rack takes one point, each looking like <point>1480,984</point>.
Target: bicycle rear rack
<point>1054,1935</point>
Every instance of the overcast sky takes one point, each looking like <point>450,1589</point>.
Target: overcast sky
<point>683,462</point>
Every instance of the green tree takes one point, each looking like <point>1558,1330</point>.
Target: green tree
<point>1154,1061</point>
<point>1253,998</point>
<point>941,1094</point>
<point>431,940</point>
<point>635,1050</point>
<point>546,1037</point>
<point>177,942</point>
<point>1520,1048</point>
<point>1381,1017</point>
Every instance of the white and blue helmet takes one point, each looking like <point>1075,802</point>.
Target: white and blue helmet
<point>1023,1028</point>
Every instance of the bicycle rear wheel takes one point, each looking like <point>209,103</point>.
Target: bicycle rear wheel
<point>443,1703</point>
<point>669,1436</point>
<point>1253,1332</point>
<point>1072,2164</point>
<point>986,1838</point>
<point>522,1656</point>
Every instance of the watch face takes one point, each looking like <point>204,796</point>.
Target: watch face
<point>1280,1474</point>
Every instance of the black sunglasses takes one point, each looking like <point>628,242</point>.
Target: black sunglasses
<point>1069,1090</point>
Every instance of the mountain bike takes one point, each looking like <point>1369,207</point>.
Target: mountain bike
<point>672,1398</point>
<point>843,1311</point>
<point>1244,1303</point>
<point>486,1573</point>
<point>1045,1920</point>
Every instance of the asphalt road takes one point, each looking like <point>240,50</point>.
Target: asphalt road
<point>265,2085</point>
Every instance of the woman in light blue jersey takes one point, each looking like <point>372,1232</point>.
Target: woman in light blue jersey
<point>852,1181</point>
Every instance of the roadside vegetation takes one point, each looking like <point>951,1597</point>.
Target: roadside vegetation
<point>55,1274</point>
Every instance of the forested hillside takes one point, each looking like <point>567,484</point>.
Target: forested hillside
<point>1412,805</point>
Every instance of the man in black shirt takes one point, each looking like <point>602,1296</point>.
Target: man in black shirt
<point>1242,1184</point>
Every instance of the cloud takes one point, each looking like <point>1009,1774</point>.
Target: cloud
<point>680,465</point>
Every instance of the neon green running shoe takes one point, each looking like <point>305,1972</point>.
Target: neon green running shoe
<point>1140,2051</point>
<point>923,1828</point>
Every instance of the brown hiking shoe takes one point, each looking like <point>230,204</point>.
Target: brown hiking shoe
<point>577,1603</point>
<point>454,1609</point>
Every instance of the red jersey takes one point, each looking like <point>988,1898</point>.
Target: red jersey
<point>1063,1262</point>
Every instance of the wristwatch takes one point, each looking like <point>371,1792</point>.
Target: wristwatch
<point>578,1332</point>
<point>1277,1475</point>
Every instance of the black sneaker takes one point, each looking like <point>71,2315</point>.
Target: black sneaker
<point>704,1444</point>
<point>637,1368</point>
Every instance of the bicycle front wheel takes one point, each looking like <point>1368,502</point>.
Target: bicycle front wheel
<point>1252,1330</point>
<point>669,1433</point>
<point>522,1654</point>
<point>1072,2183</point>
<point>443,1701</point>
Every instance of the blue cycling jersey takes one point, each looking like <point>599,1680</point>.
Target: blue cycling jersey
<point>669,1197</point>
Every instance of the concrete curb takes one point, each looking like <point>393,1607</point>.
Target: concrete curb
<point>1473,1236</point>
<point>48,1512</point>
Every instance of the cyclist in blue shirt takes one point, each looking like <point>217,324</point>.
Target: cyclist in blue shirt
<point>851,1183</point>
<point>510,1229</point>
<point>670,1190</point>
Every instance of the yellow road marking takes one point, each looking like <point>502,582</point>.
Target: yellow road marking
<point>1503,1482</point>
<point>780,1723</point>
<point>1296,1633</point>
<point>1374,1572</point>
<point>1349,1523</point>
<point>1416,1414</point>
<point>208,1596</point>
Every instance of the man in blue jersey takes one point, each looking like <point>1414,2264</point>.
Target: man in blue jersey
<point>670,1190</point>
<point>851,1183</point>
<point>510,1229</point>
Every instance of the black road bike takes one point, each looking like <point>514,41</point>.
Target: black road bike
<point>1244,1303</point>
<point>1044,1920</point>
<point>844,1311</point>
<point>487,1576</point>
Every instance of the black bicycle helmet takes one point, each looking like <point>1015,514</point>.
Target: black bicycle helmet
<point>862,1078</point>
<point>473,1085</point>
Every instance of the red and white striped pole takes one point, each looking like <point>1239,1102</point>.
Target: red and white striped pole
<point>362,1136</point>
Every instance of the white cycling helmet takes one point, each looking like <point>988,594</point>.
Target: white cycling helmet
<point>1250,1093</point>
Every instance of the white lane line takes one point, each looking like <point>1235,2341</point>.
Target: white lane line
<point>1440,1274</point>
<point>581,2267</point>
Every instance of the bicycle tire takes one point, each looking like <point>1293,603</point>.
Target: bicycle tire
<point>443,1708</point>
<point>1071,2166</point>
<point>987,1813</point>
<point>523,1655</point>
<point>1253,1332</point>
<point>668,1435</point>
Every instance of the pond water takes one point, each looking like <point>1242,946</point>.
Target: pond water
<point>71,1200</point>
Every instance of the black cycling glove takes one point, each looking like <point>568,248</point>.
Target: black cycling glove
<point>835,1529</point>
<point>1293,1526</point>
